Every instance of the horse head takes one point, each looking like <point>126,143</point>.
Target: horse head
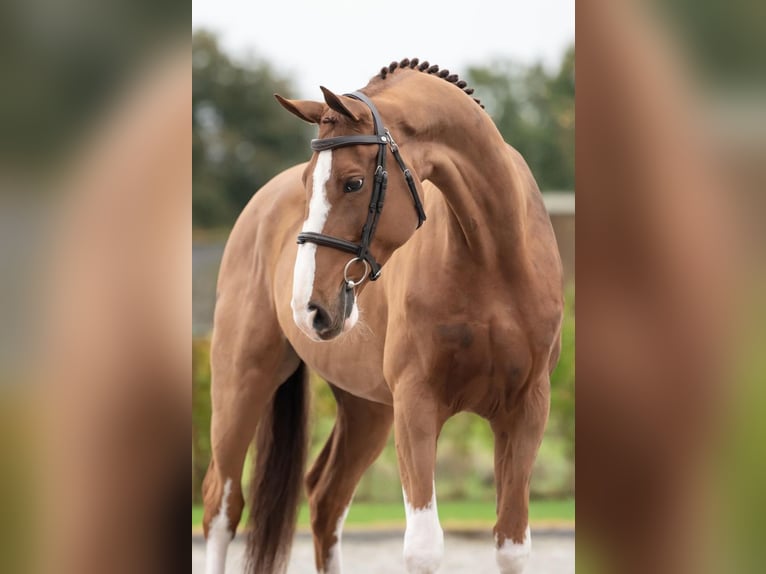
<point>346,234</point>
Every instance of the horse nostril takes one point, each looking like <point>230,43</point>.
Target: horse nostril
<point>322,320</point>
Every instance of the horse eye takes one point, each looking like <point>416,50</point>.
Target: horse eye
<point>354,184</point>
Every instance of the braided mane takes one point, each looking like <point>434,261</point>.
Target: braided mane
<point>425,67</point>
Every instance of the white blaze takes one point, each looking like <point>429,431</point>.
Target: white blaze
<point>219,536</point>
<point>424,538</point>
<point>512,557</point>
<point>305,262</point>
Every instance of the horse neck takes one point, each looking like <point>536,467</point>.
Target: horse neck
<point>453,143</point>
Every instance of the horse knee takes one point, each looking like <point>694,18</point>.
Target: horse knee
<point>512,556</point>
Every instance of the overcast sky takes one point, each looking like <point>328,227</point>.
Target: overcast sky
<point>341,44</point>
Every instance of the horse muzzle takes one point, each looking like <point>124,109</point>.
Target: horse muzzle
<point>322,322</point>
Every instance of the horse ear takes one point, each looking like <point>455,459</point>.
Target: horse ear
<point>305,109</point>
<point>349,107</point>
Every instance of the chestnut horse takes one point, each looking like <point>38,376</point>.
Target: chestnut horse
<point>465,316</point>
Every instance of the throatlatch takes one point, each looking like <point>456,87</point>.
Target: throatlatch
<point>382,138</point>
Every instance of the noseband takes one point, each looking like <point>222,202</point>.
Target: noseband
<point>361,250</point>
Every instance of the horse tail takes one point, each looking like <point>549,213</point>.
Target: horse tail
<point>281,448</point>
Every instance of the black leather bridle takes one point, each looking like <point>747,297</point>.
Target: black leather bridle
<point>382,138</point>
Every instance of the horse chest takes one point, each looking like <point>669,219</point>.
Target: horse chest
<point>463,357</point>
<point>478,365</point>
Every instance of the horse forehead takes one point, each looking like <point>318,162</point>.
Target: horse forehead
<point>338,126</point>
<point>350,157</point>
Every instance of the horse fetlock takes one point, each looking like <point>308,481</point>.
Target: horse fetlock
<point>423,560</point>
<point>332,563</point>
<point>423,549</point>
<point>512,556</point>
<point>219,530</point>
<point>322,519</point>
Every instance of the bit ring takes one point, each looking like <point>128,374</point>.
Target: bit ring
<point>351,282</point>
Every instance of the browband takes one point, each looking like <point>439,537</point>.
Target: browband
<point>341,141</point>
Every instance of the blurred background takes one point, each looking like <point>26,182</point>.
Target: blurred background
<point>671,158</point>
<point>521,64</point>
<point>671,150</point>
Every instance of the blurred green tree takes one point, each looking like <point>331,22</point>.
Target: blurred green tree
<point>534,110</point>
<point>241,137</point>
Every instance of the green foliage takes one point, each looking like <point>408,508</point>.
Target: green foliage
<point>241,136</point>
<point>201,409</point>
<point>534,110</point>
<point>738,462</point>
<point>723,40</point>
<point>451,513</point>
<point>563,384</point>
<point>465,463</point>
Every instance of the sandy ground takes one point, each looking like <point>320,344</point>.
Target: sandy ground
<point>381,553</point>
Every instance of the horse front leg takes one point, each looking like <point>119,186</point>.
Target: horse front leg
<point>518,435</point>
<point>417,422</point>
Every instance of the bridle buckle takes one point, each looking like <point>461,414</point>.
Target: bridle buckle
<point>392,144</point>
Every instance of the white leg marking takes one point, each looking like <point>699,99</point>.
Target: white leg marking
<point>512,557</point>
<point>305,262</point>
<point>219,536</point>
<point>334,563</point>
<point>424,538</point>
